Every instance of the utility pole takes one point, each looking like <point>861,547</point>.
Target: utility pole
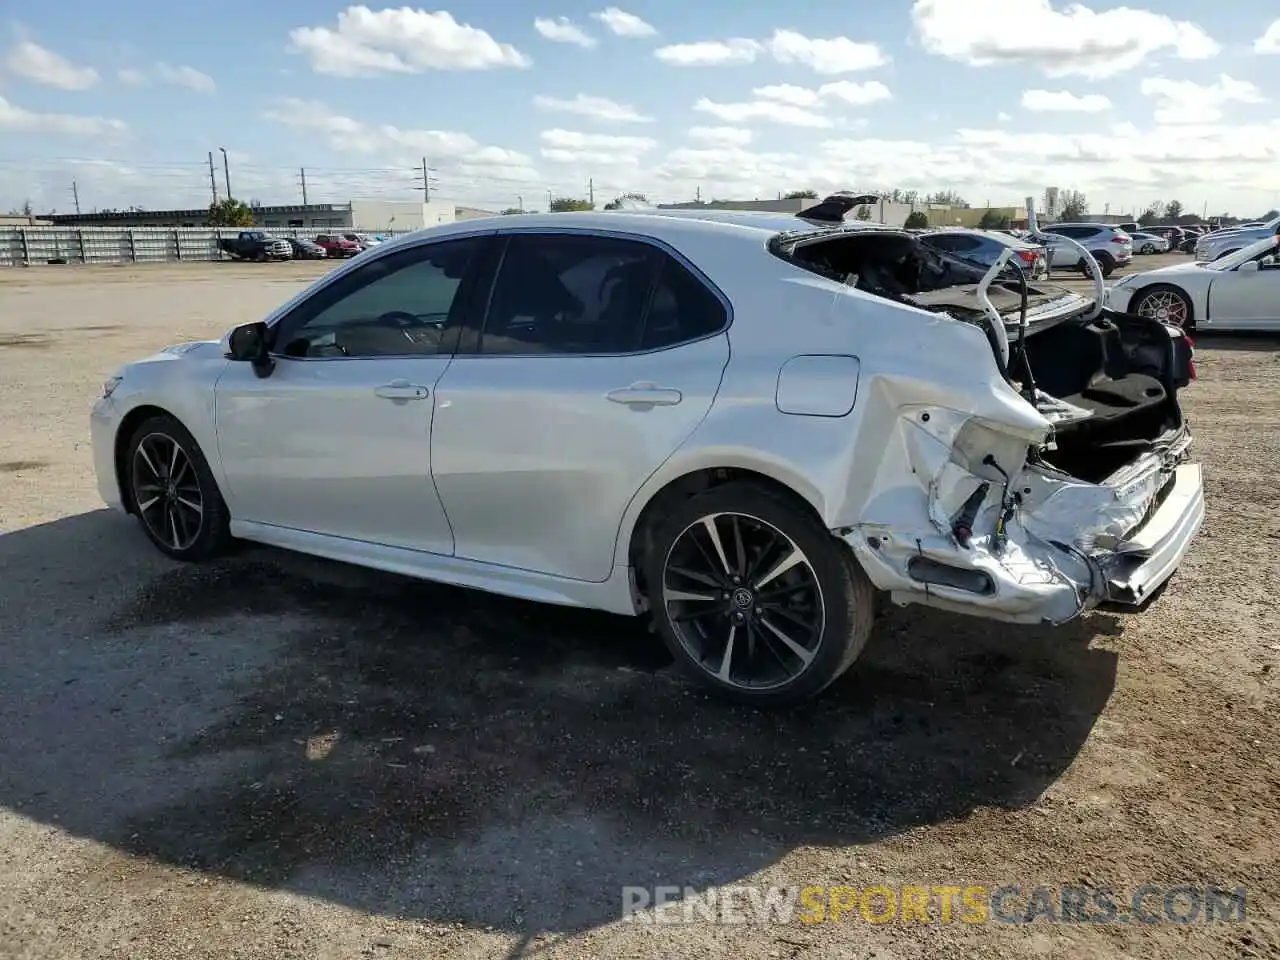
<point>213,179</point>
<point>591,192</point>
<point>427,180</point>
<point>75,193</point>
<point>303,172</point>
<point>226,170</point>
<point>697,195</point>
<point>520,203</point>
<point>548,201</point>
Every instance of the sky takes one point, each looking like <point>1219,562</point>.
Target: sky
<point>1152,100</point>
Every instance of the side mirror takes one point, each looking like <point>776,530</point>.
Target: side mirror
<point>1249,266</point>
<point>248,343</point>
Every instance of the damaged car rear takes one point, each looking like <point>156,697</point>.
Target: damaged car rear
<point>1029,483</point>
<point>973,441</point>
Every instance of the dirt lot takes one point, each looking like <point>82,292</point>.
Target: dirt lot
<point>276,757</point>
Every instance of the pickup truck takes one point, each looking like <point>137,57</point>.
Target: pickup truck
<point>256,245</point>
<point>336,245</point>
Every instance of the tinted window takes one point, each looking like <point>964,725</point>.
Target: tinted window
<point>570,294</point>
<point>957,242</point>
<point>396,305</point>
<point>683,308</point>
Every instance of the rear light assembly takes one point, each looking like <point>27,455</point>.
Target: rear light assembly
<point>1028,256</point>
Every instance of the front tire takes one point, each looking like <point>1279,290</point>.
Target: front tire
<point>173,493</point>
<point>1165,303</point>
<point>755,598</point>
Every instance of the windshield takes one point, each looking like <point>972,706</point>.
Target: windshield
<point>1265,245</point>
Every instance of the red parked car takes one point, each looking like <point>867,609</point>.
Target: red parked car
<point>336,246</point>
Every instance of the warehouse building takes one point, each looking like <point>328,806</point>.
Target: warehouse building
<point>374,216</point>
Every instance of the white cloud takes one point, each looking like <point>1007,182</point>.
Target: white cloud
<point>41,65</point>
<point>773,111</point>
<point>131,77</point>
<point>827,56</point>
<point>1185,101</point>
<point>788,93</point>
<point>598,108</point>
<point>1269,42</point>
<point>569,146</point>
<point>1064,101</point>
<point>1003,117</point>
<point>447,150</point>
<point>721,136</point>
<point>403,40</point>
<point>834,55</point>
<point>624,24</point>
<point>856,94</point>
<point>1075,39</point>
<point>709,53</point>
<point>188,77</point>
<point>564,30</point>
<point>16,119</point>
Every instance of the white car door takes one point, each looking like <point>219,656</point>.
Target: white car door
<point>1248,297</point>
<point>336,440</point>
<point>598,357</point>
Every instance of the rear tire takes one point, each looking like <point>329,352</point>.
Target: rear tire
<point>755,598</point>
<point>172,491</point>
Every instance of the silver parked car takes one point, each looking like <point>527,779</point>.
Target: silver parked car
<point>985,247</point>
<point>1110,246</point>
<point>1222,243</point>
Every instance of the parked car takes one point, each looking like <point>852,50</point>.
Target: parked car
<point>1173,236</point>
<point>984,246</point>
<point>362,240</point>
<point>1110,246</point>
<point>306,250</point>
<point>1131,227</point>
<point>1148,243</point>
<point>1240,291</point>
<point>255,245</point>
<point>588,433</point>
<point>337,246</point>
<point>1223,243</point>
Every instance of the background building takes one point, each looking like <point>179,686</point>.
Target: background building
<point>374,216</point>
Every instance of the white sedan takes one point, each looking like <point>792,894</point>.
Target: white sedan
<point>1237,292</point>
<point>1149,243</point>
<point>742,425</point>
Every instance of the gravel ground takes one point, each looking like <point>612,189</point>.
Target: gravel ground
<point>276,757</point>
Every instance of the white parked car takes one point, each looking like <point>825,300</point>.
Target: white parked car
<point>1149,243</point>
<point>744,425</point>
<point>1237,292</point>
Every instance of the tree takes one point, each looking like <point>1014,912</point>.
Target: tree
<point>1173,210</point>
<point>1075,205</point>
<point>617,203</point>
<point>566,204</point>
<point>917,220</point>
<point>993,220</point>
<point>1270,215</point>
<point>230,213</point>
<point>863,212</point>
<point>801,195</point>
<point>26,210</point>
<point>946,198</point>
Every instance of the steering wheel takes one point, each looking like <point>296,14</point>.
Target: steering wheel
<point>402,318</point>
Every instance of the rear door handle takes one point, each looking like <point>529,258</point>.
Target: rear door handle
<point>646,395</point>
<point>402,390</point>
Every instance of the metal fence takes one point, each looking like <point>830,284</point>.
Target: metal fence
<point>23,246</point>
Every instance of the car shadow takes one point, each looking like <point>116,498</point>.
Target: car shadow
<point>1237,340</point>
<point>410,749</point>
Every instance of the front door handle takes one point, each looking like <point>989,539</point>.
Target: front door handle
<point>402,390</point>
<point>646,395</point>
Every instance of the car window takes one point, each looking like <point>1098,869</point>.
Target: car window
<point>570,295</point>
<point>397,305</point>
<point>954,242</point>
<point>682,308</point>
